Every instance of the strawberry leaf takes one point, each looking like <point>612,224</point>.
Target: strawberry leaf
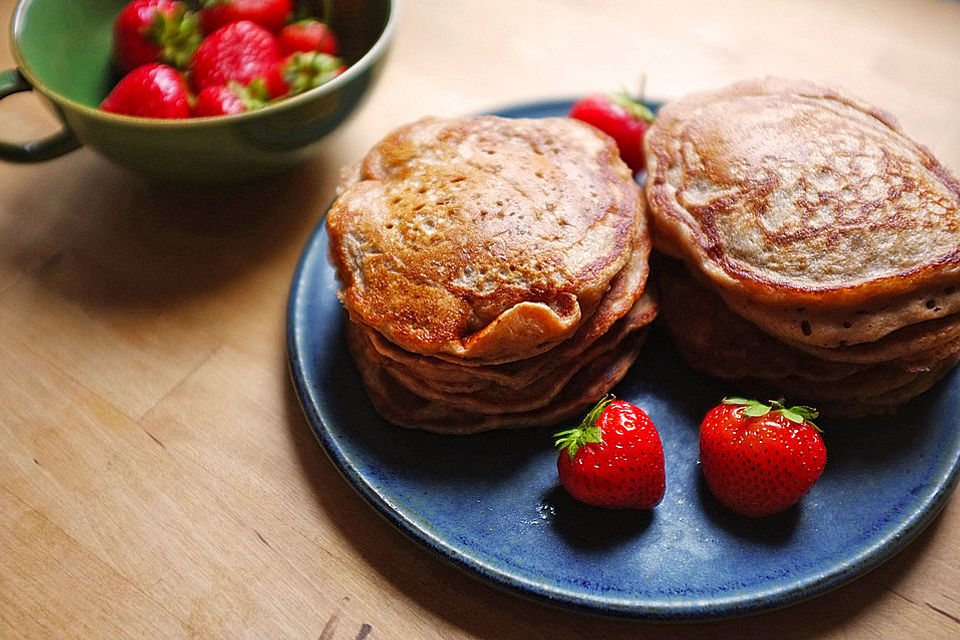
<point>808,413</point>
<point>792,415</point>
<point>756,410</point>
<point>253,96</point>
<point>588,431</point>
<point>800,414</point>
<point>637,109</point>
<point>178,33</point>
<point>751,408</point>
<point>307,70</point>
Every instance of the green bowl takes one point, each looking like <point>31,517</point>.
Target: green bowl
<point>62,51</point>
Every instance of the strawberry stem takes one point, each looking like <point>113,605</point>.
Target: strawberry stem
<point>588,431</point>
<point>178,33</point>
<point>309,69</point>
<point>253,96</point>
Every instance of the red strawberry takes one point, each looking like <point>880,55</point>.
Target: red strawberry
<point>154,31</point>
<point>150,91</point>
<point>760,459</point>
<point>308,35</point>
<point>221,100</point>
<point>240,51</point>
<point>270,14</point>
<point>620,117</point>
<point>614,459</point>
<point>301,71</point>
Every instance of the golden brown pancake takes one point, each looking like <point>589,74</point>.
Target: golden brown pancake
<point>717,341</point>
<point>721,343</point>
<point>788,193</point>
<point>834,327</point>
<point>400,406</point>
<point>908,342</point>
<point>548,377</point>
<point>620,299</point>
<point>483,238</point>
<point>890,401</point>
<point>821,245</point>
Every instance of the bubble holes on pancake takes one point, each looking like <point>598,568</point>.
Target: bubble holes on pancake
<point>852,205</point>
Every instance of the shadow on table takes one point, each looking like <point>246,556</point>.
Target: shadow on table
<point>97,234</point>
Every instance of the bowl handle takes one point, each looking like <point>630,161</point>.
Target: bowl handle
<point>12,81</point>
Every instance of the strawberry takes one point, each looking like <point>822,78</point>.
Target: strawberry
<point>269,14</point>
<point>241,51</point>
<point>622,118</point>
<point>614,459</point>
<point>760,459</point>
<point>150,91</point>
<point>222,100</point>
<point>307,35</point>
<point>154,31</point>
<point>301,71</point>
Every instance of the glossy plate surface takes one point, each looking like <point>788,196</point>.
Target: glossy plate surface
<point>490,503</point>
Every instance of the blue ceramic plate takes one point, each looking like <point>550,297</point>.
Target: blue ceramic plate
<point>490,503</point>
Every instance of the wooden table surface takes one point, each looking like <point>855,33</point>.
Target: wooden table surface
<point>157,477</point>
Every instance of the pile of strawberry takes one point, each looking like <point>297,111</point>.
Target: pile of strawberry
<point>228,57</point>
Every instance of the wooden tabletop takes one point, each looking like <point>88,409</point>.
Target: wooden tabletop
<point>157,476</point>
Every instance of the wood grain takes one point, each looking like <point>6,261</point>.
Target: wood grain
<point>157,478</point>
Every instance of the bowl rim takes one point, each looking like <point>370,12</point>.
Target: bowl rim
<point>367,60</point>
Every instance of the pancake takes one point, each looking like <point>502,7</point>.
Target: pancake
<point>890,401</point>
<point>921,338</point>
<point>402,407</point>
<point>820,246</point>
<point>850,404</point>
<point>785,193</point>
<point>862,334</point>
<point>485,239</point>
<point>620,299</point>
<point>548,377</point>
<point>718,342</point>
<point>838,327</point>
<point>520,375</point>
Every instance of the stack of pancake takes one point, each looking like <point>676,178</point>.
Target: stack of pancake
<point>812,249</point>
<point>494,271</point>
